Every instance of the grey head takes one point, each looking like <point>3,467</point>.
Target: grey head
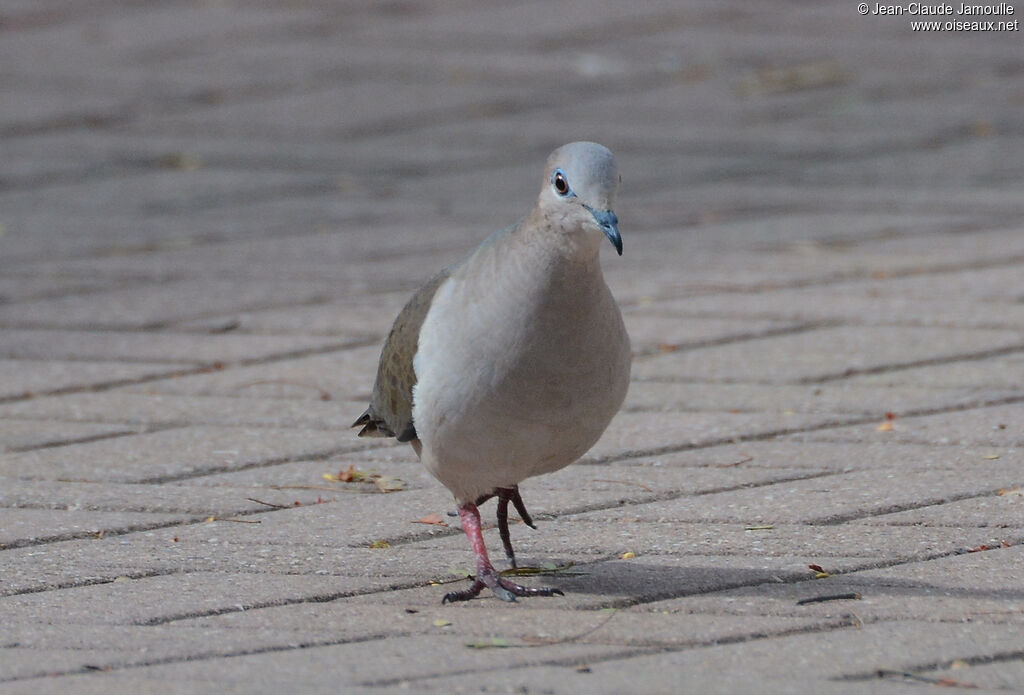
<point>580,183</point>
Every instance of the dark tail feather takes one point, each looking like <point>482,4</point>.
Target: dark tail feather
<point>372,426</point>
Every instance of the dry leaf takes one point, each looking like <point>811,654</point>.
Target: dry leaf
<point>432,519</point>
<point>884,427</point>
<point>628,555</point>
<point>495,642</point>
<point>380,544</point>
<point>990,457</point>
<point>386,483</point>
<point>442,622</point>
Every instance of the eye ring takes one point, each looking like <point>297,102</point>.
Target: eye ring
<point>561,184</point>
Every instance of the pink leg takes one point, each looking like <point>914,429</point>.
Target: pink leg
<point>485,574</point>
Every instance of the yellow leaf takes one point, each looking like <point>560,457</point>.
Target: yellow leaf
<point>628,555</point>
<point>442,622</point>
<point>990,457</point>
<point>884,427</point>
<point>386,483</point>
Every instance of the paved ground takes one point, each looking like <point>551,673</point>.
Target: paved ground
<point>211,211</point>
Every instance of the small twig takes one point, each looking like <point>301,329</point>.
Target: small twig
<point>541,641</point>
<point>944,682</point>
<point>357,490</point>
<point>852,596</point>
<point>747,458</point>
<point>236,521</point>
<point>269,504</point>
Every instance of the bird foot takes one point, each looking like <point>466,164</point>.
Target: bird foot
<point>503,588</point>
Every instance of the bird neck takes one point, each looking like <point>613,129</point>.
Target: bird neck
<point>562,239</point>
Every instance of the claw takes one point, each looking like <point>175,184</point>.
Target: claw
<point>486,576</point>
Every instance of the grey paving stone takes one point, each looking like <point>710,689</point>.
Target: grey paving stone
<point>998,427</point>
<point>24,378</point>
<point>1003,509</point>
<point>20,526</point>
<point>155,305</point>
<point>191,500</point>
<point>637,433</point>
<point>537,628</point>
<point>1000,372</point>
<point>786,664</point>
<point>844,399</point>
<point>187,348</point>
<point>840,496</point>
<point>366,317</point>
<point>20,435</point>
<point>171,454</point>
<point>362,663</point>
<point>863,302</point>
<point>344,374</point>
<point>159,409</point>
<point>821,354</point>
<point>157,599</point>
<point>651,334</point>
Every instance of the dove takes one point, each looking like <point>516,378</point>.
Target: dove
<point>511,363</point>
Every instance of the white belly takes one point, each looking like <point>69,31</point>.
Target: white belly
<point>521,386</point>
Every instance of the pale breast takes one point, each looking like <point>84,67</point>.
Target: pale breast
<point>519,385</point>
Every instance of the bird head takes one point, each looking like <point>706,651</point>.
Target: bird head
<point>580,183</point>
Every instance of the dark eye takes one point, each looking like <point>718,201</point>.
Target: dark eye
<point>560,183</point>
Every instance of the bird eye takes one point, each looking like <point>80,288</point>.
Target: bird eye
<point>561,184</point>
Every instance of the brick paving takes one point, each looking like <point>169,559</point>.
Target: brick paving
<point>210,212</point>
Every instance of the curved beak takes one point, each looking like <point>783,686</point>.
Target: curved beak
<point>609,224</point>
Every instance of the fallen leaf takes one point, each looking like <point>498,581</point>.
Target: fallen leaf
<point>885,427</point>
<point>1011,492</point>
<point>816,568</point>
<point>432,519</point>
<point>442,622</point>
<point>990,457</point>
<point>762,527</point>
<point>387,483</point>
<point>493,643</point>
<point>377,545</point>
<point>547,568</point>
<point>628,555</point>
<point>348,475</point>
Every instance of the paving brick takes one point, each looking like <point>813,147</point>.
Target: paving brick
<point>998,427</point>
<point>187,348</point>
<point>36,525</point>
<point>19,435</point>
<point>175,453</point>
<point>822,354</point>
<point>160,409</point>
<point>343,374</point>
<point>24,378</point>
